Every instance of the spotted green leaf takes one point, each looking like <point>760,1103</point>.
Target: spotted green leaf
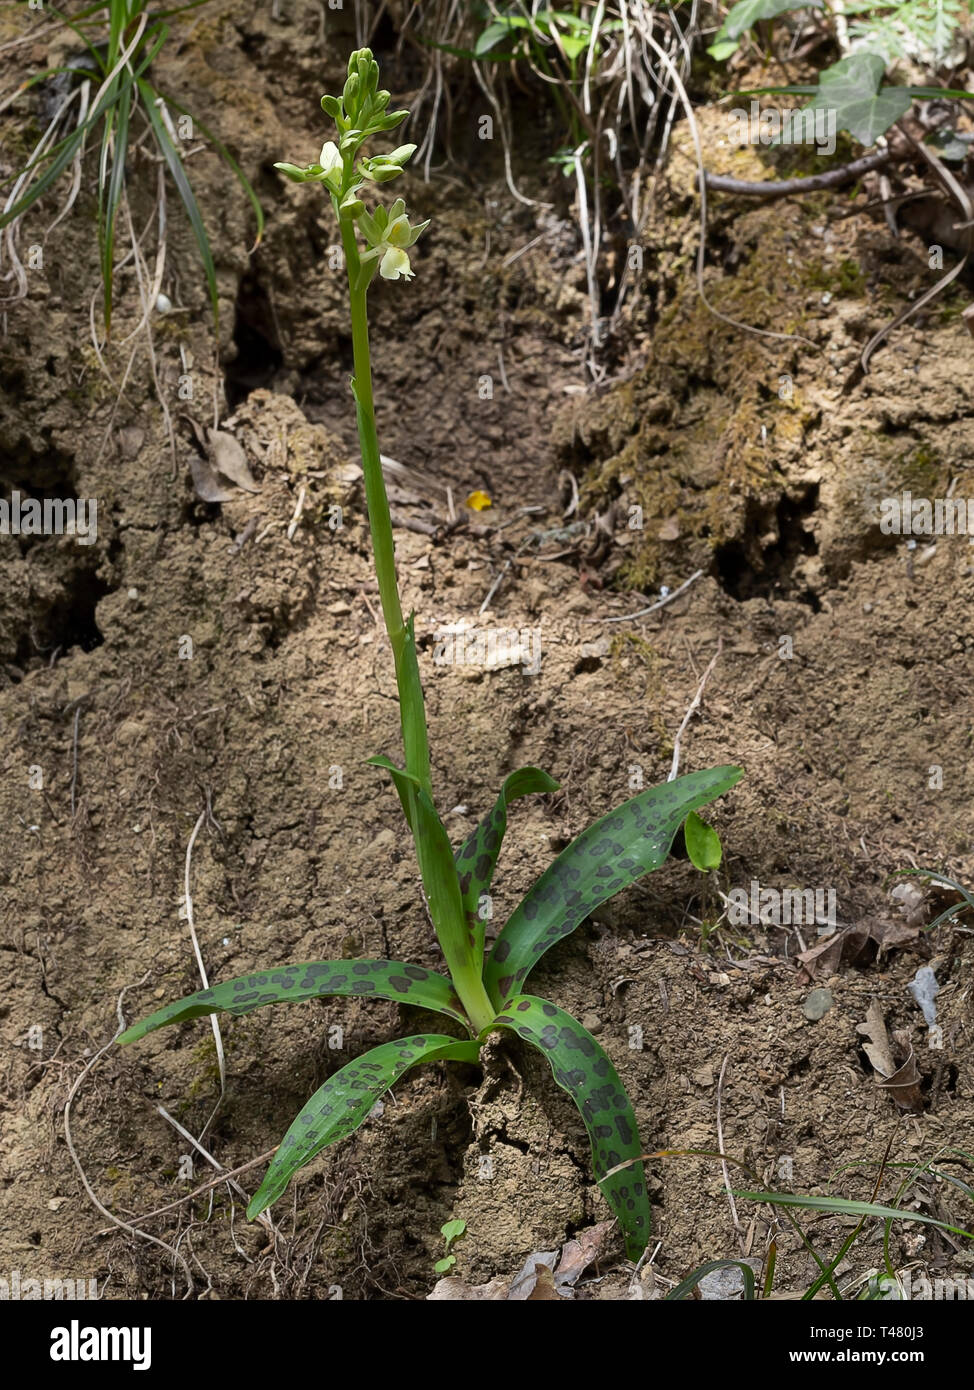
<point>377,979</point>
<point>476,858</point>
<point>339,1106</point>
<point>440,881</point>
<point>617,850</point>
<point>581,1067</point>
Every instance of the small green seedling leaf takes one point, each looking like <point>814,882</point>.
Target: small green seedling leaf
<point>451,1231</point>
<point>618,849</point>
<point>721,49</point>
<point>703,843</point>
<point>345,1100</point>
<point>581,1067</point>
<point>476,858</point>
<point>376,979</point>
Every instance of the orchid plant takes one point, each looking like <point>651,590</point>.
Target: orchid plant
<point>480,994</point>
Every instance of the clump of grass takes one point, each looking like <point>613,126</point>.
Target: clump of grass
<point>102,94</point>
<point>870,1283</point>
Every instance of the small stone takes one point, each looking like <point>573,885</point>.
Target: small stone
<point>591,1023</point>
<point>817,1004</point>
<point>704,1076</point>
<point>722,1285</point>
<point>597,649</point>
<point>383,842</point>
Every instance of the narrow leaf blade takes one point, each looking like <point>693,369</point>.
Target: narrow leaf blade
<point>843,1206</point>
<point>115,139</point>
<point>476,858</point>
<point>377,979</point>
<point>346,1099</point>
<point>614,852</point>
<point>441,883</point>
<point>185,190</point>
<point>226,156</point>
<point>581,1067</point>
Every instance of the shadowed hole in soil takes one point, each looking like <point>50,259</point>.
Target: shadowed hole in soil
<point>69,622</point>
<point>255,336</point>
<point>64,581</point>
<point>747,569</point>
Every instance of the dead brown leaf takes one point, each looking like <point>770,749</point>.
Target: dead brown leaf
<point>227,457</point>
<point>545,1276</point>
<point>853,945</point>
<point>224,467</point>
<point>901,1079</point>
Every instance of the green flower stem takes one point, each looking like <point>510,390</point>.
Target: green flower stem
<point>465,971</point>
<point>411,707</point>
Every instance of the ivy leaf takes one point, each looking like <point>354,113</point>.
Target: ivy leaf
<point>722,50</point>
<point>492,35</point>
<point>851,90</point>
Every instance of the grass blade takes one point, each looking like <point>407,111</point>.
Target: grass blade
<point>225,155</point>
<point>180,178</point>
<point>681,1291</point>
<point>843,1206</point>
<point>115,140</point>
